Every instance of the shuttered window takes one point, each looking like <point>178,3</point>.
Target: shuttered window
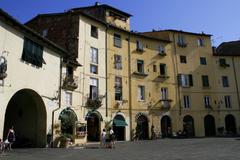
<point>32,53</point>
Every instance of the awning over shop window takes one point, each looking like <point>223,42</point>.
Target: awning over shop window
<point>119,123</point>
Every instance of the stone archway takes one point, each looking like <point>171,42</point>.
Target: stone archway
<point>188,126</point>
<point>68,119</point>
<point>93,126</point>
<point>142,127</point>
<point>166,126</point>
<point>26,112</point>
<point>119,126</point>
<point>209,125</point>
<point>230,124</point>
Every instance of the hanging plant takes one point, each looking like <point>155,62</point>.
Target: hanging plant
<point>93,104</point>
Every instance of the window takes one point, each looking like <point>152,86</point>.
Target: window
<point>205,81</point>
<point>94,31</point>
<point>200,42</point>
<point>207,102</point>
<point>140,66</point>
<point>32,53</point>
<point>164,93</point>
<point>94,55</point>
<point>227,101</point>
<point>203,61</point>
<point>154,68</point>
<point>183,59</point>
<point>69,71</point>
<point>117,40</point>
<point>186,101</point>
<point>185,80</point>
<point>93,69</point>
<point>68,99</point>
<point>141,92</point>
<point>161,49</point>
<point>45,33</point>
<point>93,89</point>
<point>139,46</point>
<point>117,61</point>
<point>163,69</point>
<point>225,81</point>
<point>118,88</point>
<point>181,41</point>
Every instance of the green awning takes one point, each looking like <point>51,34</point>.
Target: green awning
<point>119,123</point>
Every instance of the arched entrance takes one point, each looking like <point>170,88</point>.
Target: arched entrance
<point>142,127</point>
<point>93,126</point>
<point>119,127</point>
<point>230,124</point>
<point>26,112</point>
<point>209,125</point>
<point>166,126</point>
<point>68,119</point>
<point>188,126</point>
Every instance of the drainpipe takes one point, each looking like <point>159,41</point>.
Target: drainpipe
<point>178,86</point>
<point>59,96</point>
<point>236,82</point>
<point>106,55</point>
<point>130,87</point>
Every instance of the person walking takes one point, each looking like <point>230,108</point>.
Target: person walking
<point>112,138</point>
<point>103,139</point>
<point>11,137</point>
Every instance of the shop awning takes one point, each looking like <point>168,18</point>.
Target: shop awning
<point>119,123</point>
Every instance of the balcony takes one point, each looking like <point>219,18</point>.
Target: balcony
<point>142,74</point>
<point>140,49</point>
<point>162,53</point>
<point>165,104</point>
<point>182,45</point>
<point>161,78</point>
<point>224,64</point>
<point>208,107</point>
<point>70,82</point>
<point>93,104</point>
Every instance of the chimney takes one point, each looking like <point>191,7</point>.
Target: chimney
<point>97,3</point>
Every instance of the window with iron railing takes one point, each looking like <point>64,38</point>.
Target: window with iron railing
<point>118,88</point>
<point>117,61</point>
<point>93,93</point>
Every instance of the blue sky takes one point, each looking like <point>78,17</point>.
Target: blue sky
<point>217,17</point>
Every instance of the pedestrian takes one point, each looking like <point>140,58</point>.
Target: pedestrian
<point>103,139</point>
<point>153,134</point>
<point>11,137</point>
<point>112,140</point>
<point>108,141</point>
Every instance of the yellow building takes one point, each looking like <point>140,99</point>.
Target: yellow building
<point>207,94</point>
<point>169,79</point>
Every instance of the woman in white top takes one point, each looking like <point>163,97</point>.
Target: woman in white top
<point>103,139</point>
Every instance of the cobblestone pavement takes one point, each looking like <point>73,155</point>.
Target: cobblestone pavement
<point>164,149</point>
